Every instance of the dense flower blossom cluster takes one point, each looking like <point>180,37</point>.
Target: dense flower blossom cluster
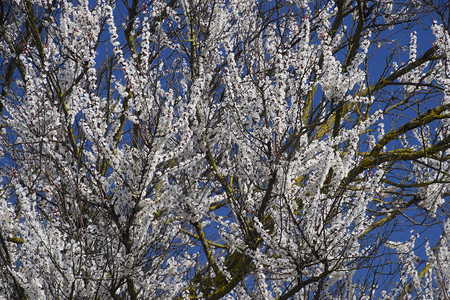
<point>208,149</point>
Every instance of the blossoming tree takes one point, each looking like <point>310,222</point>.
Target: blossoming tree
<point>239,149</point>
